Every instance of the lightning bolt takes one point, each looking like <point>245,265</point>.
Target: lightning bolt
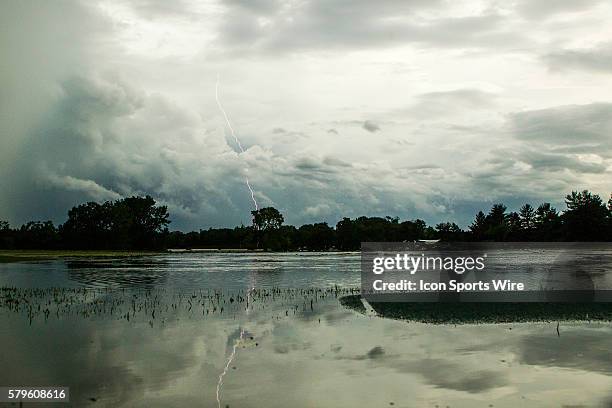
<point>229,361</point>
<point>248,184</point>
<point>233,353</point>
<point>231,129</point>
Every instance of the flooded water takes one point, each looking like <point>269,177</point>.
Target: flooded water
<point>185,271</point>
<point>158,331</point>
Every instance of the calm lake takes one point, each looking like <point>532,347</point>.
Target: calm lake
<point>161,331</point>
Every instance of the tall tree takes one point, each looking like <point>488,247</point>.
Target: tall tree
<point>479,226</point>
<point>88,226</point>
<point>497,227</point>
<point>497,215</point>
<point>586,216</point>
<point>528,217</point>
<point>545,213</point>
<point>515,227</point>
<point>609,235</point>
<point>267,222</point>
<point>267,218</point>
<point>137,221</point>
<point>347,238</point>
<point>547,223</point>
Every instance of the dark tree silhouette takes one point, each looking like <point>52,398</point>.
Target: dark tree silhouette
<point>514,224</point>
<point>548,223</point>
<point>138,223</point>
<point>6,235</point>
<point>130,223</point>
<point>586,216</point>
<point>546,214</point>
<point>412,230</point>
<point>37,235</point>
<point>528,217</point>
<point>267,218</point>
<point>449,231</point>
<point>267,222</point>
<point>479,226</point>
<point>609,235</point>
<point>88,226</point>
<point>316,237</point>
<point>497,215</point>
<point>346,235</point>
<point>497,227</point>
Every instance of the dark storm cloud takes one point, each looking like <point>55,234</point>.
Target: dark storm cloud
<point>104,140</point>
<point>33,53</point>
<point>356,24</point>
<point>597,59</point>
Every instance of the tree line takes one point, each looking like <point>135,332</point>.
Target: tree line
<point>129,223</point>
<point>139,223</point>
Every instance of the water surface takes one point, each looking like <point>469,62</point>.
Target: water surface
<point>294,353</point>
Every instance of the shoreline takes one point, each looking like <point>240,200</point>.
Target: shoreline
<point>29,255</point>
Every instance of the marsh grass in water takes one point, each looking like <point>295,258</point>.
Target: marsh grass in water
<point>158,305</point>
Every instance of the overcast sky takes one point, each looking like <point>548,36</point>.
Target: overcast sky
<point>412,108</point>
